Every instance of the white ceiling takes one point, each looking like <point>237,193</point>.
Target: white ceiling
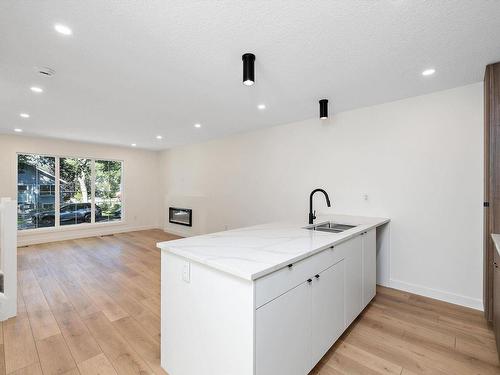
<point>135,69</point>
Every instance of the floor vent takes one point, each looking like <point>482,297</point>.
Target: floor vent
<point>107,235</point>
<point>1,283</point>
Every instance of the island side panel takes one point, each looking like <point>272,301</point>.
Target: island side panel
<point>207,324</point>
<point>384,255</point>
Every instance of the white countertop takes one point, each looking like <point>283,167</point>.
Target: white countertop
<point>256,251</point>
<point>496,241</point>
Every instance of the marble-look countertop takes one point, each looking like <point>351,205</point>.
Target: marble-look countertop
<point>496,241</point>
<point>256,251</point>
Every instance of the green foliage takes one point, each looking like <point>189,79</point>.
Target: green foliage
<point>75,175</point>
<point>108,178</point>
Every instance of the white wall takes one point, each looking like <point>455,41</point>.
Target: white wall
<point>419,160</point>
<point>141,193</point>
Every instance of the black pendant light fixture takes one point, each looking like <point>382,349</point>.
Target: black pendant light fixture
<point>323,109</point>
<point>248,69</point>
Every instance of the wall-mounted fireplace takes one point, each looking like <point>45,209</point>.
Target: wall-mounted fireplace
<point>181,216</point>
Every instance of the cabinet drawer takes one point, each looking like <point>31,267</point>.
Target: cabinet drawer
<point>275,284</point>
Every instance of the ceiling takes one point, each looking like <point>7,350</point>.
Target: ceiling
<point>136,69</point>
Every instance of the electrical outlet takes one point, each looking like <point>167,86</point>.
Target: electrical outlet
<point>186,272</point>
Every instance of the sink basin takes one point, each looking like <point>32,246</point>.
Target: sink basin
<point>331,227</point>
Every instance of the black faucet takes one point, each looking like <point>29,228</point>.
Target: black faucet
<point>312,214</point>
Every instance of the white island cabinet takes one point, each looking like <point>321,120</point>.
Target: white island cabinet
<point>264,300</point>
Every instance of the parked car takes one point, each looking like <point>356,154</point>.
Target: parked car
<point>71,213</point>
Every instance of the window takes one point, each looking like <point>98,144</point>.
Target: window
<point>36,179</point>
<point>108,180</point>
<point>74,187</point>
<point>88,191</point>
<point>47,190</point>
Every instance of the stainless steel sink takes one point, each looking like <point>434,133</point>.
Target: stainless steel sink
<point>331,227</point>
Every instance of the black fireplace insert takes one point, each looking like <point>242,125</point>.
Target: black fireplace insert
<point>181,216</point>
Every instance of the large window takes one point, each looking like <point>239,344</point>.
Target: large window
<point>36,191</point>
<point>108,180</point>
<point>75,191</point>
<point>89,191</point>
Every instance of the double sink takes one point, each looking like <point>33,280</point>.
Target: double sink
<point>331,227</point>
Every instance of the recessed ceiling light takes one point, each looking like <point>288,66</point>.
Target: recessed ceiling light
<point>133,145</point>
<point>428,72</point>
<point>261,106</point>
<point>159,137</point>
<point>17,130</point>
<point>62,29</point>
<point>24,115</point>
<point>36,89</point>
<point>197,125</point>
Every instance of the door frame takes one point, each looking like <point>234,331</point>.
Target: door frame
<point>491,217</point>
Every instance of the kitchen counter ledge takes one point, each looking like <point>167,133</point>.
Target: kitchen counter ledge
<point>253,252</point>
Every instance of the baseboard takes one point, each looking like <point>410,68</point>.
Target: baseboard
<point>456,299</point>
<point>54,236</point>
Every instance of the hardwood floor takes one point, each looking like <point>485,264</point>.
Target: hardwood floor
<point>88,306</point>
<point>402,333</point>
<point>92,306</point>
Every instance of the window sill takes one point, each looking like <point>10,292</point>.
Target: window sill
<point>69,228</point>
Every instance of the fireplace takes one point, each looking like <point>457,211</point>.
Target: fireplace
<point>181,216</point>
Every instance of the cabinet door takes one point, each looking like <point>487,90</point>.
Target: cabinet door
<point>353,278</point>
<point>328,320</point>
<point>283,333</point>
<point>369,272</point>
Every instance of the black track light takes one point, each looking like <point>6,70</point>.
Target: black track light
<point>323,109</point>
<point>248,69</point>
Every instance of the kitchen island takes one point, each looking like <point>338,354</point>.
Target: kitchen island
<point>262,300</point>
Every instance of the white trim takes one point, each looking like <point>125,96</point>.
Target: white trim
<point>63,228</point>
<point>441,295</point>
<point>90,230</point>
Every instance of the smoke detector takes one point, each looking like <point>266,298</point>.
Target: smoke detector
<point>46,71</point>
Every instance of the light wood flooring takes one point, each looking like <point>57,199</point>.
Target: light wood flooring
<point>92,306</point>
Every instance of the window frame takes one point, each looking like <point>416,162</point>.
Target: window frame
<point>57,204</point>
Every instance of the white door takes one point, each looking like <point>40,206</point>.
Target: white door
<point>353,278</point>
<point>328,320</point>
<point>283,333</point>
<point>369,266</point>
